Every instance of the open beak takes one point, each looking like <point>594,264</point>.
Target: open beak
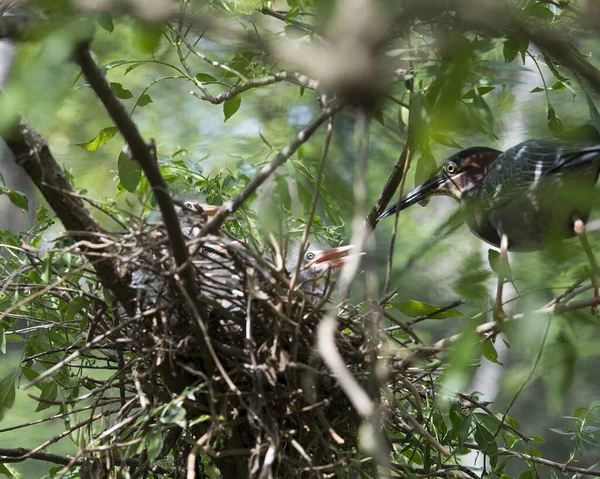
<point>332,257</point>
<point>420,194</point>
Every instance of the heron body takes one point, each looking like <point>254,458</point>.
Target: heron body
<point>531,193</point>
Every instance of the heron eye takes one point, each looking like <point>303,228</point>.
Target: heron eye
<point>189,205</point>
<point>310,256</point>
<point>450,168</point>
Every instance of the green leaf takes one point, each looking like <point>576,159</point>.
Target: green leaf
<point>154,445</point>
<point>552,120</point>
<point>30,374</point>
<point>540,11</point>
<point>10,471</point>
<point>537,89</point>
<point>426,166</point>
<point>130,172</point>
<point>511,48</point>
<point>2,341</point>
<point>120,92</point>
<point>7,393</point>
<point>262,137</point>
<point>291,14</point>
<point>75,306</point>
<point>205,78</point>
<point>105,135</point>
<point>148,36</point>
<point>133,67</point>
<point>377,113</point>
<point>563,431</point>
<point>105,21</point>
<point>444,140</point>
<point>503,269</point>
<point>49,393</point>
<point>414,309</point>
<point>231,106</point>
<point>581,412</point>
<point>558,85</point>
<point>16,198</point>
<point>489,351</point>
<point>144,100</point>
<point>550,64</point>
<point>464,430</point>
<point>479,91</point>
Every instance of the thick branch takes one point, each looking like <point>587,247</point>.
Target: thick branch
<point>32,153</point>
<point>141,152</point>
<point>147,160</point>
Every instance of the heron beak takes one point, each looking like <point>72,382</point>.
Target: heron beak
<point>436,185</point>
<point>422,194</point>
<point>333,257</point>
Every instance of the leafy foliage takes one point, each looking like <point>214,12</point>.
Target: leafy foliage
<point>452,74</point>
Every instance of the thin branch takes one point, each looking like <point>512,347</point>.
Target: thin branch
<point>280,158</point>
<point>281,16</point>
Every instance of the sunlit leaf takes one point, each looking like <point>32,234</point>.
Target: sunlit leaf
<point>105,135</point>
<point>445,140</point>
<point>414,309</point>
<point>482,90</point>
<point>130,172</point>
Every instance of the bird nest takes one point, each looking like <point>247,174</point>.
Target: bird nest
<point>222,366</point>
<point>240,356</point>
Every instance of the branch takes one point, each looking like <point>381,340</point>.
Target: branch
<point>147,160</point>
<point>32,153</point>
<point>141,152</point>
<point>281,16</point>
<point>280,158</point>
<point>18,455</point>
<point>503,16</point>
<point>389,189</point>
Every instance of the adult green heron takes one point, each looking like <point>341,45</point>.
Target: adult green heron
<point>521,199</point>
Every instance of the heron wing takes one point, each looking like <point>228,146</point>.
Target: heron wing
<point>527,163</point>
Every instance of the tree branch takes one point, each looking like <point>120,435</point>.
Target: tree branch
<point>280,158</point>
<point>32,153</point>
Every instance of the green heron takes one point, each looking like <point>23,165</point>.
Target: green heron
<point>521,199</point>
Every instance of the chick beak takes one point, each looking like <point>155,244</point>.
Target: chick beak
<point>332,257</point>
<point>201,209</point>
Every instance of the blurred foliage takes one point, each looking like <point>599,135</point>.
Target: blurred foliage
<point>455,85</point>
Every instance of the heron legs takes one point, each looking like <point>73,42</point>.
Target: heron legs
<point>579,228</point>
<point>502,275</point>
